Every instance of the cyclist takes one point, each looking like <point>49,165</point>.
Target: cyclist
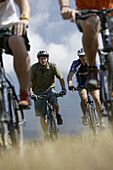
<point>90,28</point>
<point>43,81</point>
<point>13,39</point>
<point>80,68</point>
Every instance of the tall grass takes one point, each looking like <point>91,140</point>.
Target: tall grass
<point>67,153</point>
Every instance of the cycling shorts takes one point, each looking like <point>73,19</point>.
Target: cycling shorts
<point>40,105</point>
<point>5,34</point>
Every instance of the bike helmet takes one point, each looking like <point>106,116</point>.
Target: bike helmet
<point>80,52</point>
<point>42,53</point>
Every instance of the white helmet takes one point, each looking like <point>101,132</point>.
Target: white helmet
<point>80,52</point>
<point>42,53</point>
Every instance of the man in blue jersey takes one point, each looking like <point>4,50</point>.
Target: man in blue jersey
<point>80,69</point>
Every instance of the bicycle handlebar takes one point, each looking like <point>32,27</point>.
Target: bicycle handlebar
<point>38,97</point>
<point>85,13</point>
<point>77,88</point>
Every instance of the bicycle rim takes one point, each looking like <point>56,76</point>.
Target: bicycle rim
<point>15,127</point>
<point>4,135</point>
<point>92,117</point>
<point>53,124</point>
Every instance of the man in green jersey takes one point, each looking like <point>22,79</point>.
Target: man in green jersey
<point>43,75</point>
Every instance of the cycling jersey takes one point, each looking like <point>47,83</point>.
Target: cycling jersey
<point>80,71</point>
<point>93,4</point>
<point>44,78</point>
<point>8,14</point>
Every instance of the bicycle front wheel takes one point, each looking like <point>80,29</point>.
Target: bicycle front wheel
<point>4,135</point>
<point>92,119</point>
<point>53,126</point>
<point>15,125</point>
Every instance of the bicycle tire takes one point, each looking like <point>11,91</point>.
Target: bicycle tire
<point>3,124</point>
<point>4,135</point>
<point>15,127</point>
<point>53,127</point>
<point>110,72</point>
<point>92,119</point>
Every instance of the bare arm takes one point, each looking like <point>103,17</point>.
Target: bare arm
<point>62,83</point>
<point>64,2</point>
<point>30,88</point>
<point>24,8</point>
<point>66,12</point>
<point>69,78</point>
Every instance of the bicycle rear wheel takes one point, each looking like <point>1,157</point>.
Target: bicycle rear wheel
<point>53,127</point>
<point>15,125</point>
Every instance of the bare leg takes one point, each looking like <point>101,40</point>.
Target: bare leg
<point>90,29</point>
<point>21,61</point>
<point>95,95</point>
<point>56,107</point>
<point>83,96</point>
<point>43,124</point>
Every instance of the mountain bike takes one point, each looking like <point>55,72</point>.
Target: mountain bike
<point>52,129</point>
<point>11,116</point>
<point>93,122</point>
<point>106,60</point>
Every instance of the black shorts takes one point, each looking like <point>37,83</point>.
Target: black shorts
<point>5,33</point>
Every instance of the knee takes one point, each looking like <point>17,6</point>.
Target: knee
<point>91,25</point>
<point>16,42</point>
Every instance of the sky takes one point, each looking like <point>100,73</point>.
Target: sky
<point>61,38</point>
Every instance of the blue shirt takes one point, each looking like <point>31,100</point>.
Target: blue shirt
<point>80,70</point>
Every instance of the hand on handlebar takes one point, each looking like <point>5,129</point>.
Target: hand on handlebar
<point>33,96</point>
<point>20,27</point>
<point>71,88</point>
<point>68,13</point>
<point>63,92</point>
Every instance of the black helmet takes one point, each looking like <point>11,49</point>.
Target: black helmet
<point>42,53</point>
<point>80,52</point>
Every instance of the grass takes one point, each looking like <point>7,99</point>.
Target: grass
<point>67,153</point>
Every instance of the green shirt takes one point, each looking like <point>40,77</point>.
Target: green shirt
<point>44,78</point>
